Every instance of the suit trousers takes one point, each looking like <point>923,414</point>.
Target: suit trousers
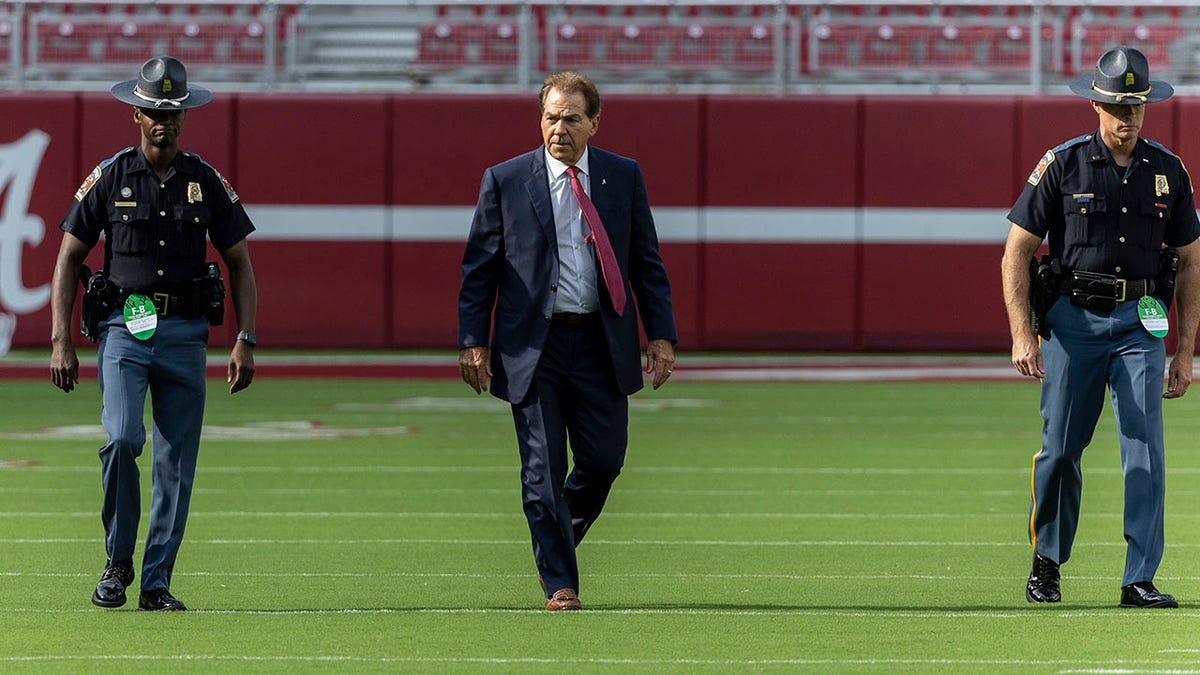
<point>574,395</point>
<point>1088,351</point>
<point>171,366</point>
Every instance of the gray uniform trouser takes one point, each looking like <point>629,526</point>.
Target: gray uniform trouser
<point>1088,351</point>
<point>171,365</point>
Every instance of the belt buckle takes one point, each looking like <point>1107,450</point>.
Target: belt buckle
<point>1120,290</point>
<point>166,301</point>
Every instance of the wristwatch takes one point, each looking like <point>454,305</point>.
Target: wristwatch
<point>247,337</point>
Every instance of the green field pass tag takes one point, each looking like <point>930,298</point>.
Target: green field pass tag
<point>140,317</point>
<point>1153,316</point>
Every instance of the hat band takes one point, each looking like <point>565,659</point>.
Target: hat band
<point>1121,96</point>
<point>158,102</point>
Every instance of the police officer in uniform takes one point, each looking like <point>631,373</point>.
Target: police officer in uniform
<point>1108,202</point>
<point>155,205</point>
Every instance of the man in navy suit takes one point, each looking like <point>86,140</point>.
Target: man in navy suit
<point>560,237</point>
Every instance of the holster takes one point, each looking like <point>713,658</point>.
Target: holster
<point>210,294</point>
<point>1168,269</point>
<point>1044,279</point>
<point>99,301</point>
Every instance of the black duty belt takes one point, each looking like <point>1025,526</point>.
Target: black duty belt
<point>167,304</point>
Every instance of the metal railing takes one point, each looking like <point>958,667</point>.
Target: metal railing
<point>790,46</point>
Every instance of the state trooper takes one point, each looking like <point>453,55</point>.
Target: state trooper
<point>1108,202</point>
<point>155,205</point>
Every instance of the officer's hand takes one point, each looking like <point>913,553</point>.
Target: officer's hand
<point>1027,357</point>
<point>241,367</point>
<point>660,360</point>
<point>475,366</point>
<point>64,367</point>
<point>1179,374</point>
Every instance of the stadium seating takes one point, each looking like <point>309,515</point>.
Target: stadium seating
<point>700,46</point>
<point>970,48</point>
<point>67,41</point>
<point>626,46</point>
<point>853,47</point>
<point>447,45</point>
<point>6,30</point>
<point>643,41</point>
<point>70,42</point>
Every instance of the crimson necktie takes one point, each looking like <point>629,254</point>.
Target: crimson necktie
<point>599,237</point>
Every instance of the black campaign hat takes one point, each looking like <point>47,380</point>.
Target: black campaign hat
<point>1123,77</point>
<point>162,83</point>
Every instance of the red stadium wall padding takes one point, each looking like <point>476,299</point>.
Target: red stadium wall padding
<point>685,265</point>
<point>933,297</point>
<point>665,136</point>
<point>936,152</point>
<point>424,293</point>
<point>835,223</point>
<point>766,296</point>
<point>766,152</point>
<point>314,149</point>
<point>442,144</point>
<point>1186,143</point>
<point>322,294</point>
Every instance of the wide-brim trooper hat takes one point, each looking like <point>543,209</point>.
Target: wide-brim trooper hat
<point>1123,77</point>
<point>162,84</point>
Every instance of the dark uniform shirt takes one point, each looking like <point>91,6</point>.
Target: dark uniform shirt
<point>1104,218</point>
<point>155,230</point>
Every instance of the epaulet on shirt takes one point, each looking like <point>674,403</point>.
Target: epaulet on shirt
<point>94,176</point>
<point>192,155</point>
<point>1159,146</point>
<point>1078,140</point>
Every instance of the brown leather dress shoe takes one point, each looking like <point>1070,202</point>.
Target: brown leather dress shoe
<point>563,599</point>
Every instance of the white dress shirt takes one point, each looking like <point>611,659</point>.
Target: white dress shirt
<point>577,292</point>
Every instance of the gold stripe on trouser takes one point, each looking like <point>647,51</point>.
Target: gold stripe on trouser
<point>1033,495</point>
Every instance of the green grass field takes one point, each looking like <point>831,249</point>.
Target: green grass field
<point>874,528</point>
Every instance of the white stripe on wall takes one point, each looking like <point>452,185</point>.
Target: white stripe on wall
<point>674,224</point>
<point>319,222</point>
<point>958,226</point>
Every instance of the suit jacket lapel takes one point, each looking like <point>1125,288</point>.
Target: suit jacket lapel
<point>538,188</point>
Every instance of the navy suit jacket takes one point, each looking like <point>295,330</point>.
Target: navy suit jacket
<point>510,269</point>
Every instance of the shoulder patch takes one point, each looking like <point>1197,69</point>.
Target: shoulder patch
<point>233,197</point>
<point>1040,170</point>
<point>88,184</point>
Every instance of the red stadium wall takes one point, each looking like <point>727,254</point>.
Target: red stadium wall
<point>842,223</point>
